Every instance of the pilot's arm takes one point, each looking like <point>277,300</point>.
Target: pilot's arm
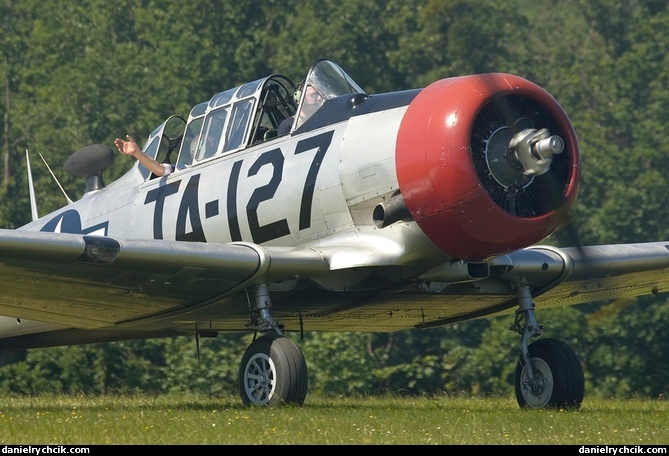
<point>130,147</point>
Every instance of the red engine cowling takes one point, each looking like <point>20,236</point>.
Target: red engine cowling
<point>459,178</point>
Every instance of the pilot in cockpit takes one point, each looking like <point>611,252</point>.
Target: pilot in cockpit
<point>312,101</point>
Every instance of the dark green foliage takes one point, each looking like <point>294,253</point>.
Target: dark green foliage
<point>77,73</point>
<point>154,366</point>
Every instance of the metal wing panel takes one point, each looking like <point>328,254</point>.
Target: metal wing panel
<point>605,272</point>
<point>558,277</point>
<point>89,281</point>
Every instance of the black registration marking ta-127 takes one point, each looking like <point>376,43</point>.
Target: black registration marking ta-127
<point>188,208</point>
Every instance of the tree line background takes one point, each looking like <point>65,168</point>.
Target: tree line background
<point>78,73</point>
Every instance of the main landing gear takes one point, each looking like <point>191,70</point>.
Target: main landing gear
<point>548,373</point>
<point>273,369</point>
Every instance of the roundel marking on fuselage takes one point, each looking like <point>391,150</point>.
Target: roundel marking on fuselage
<point>65,222</point>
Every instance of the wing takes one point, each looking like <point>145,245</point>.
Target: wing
<point>96,288</point>
<point>600,273</point>
<point>101,283</point>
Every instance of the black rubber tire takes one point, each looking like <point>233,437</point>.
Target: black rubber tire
<point>273,372</point>
<point>561,375</point>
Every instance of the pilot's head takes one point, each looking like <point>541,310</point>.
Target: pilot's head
<point>312,101</point>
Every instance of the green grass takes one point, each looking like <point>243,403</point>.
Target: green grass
<point>177,420</point>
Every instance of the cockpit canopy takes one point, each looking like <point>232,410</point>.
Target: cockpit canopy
<point>246,115</point>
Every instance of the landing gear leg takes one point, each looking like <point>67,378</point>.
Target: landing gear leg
<point>548,372</point>
<point>273,370</point>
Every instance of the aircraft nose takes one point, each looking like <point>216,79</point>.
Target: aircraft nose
<point>461,180</point>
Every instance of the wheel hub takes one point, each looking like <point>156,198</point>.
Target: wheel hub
<point>259,379</point>
<point>537,390</point>
<point>536,384</point>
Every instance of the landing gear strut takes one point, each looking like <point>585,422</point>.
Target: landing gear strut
<point>548,373</point>
<point>273,370</point>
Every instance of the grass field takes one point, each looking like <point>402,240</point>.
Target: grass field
<point>178,420</point>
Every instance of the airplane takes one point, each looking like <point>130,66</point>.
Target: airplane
<point>383,212</point>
